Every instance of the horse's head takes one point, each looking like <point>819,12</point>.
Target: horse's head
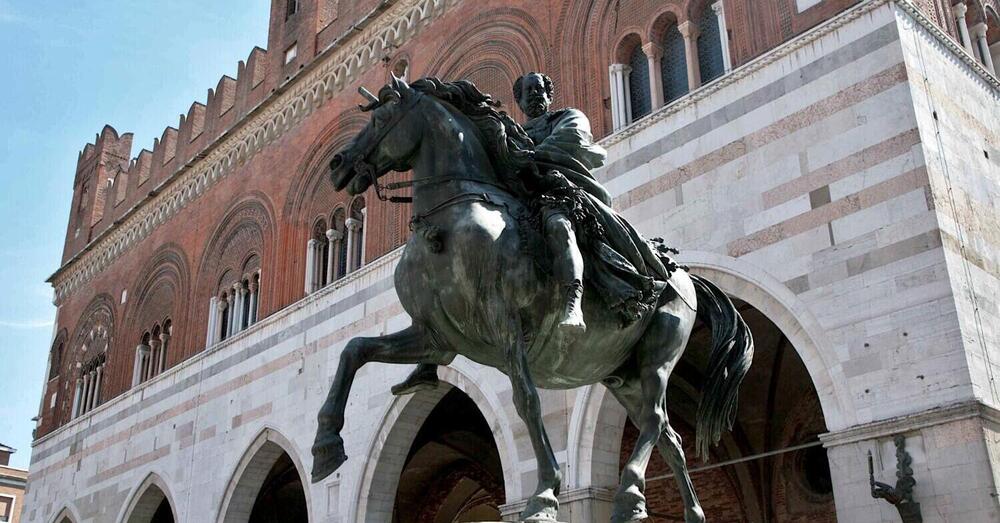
<point>388,143</point>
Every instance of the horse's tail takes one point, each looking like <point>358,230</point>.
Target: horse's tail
<point>732,352</point>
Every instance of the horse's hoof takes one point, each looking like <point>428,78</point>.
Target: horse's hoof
<point>328,456</point>
<point>629,506</point>
<point>694,515</point>
<point>542,508</point>
<point>415,384</point>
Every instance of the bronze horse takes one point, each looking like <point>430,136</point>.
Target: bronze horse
<point>470,288</point>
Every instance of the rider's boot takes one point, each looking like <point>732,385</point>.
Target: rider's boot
<point>424,377</point>
<point>571,321</point>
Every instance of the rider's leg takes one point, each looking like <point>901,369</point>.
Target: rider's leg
<point>567,267</point>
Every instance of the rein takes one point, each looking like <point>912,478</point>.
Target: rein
<point>366,169</point>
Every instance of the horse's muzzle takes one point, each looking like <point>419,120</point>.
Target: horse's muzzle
<point>340,171</point>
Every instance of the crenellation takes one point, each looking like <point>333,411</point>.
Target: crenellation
<point>225,95</point>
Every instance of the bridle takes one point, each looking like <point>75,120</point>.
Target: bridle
<point>366,169</point>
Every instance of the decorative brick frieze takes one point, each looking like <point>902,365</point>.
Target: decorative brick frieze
<point>347,58</point>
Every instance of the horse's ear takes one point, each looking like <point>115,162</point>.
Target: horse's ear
<point>399,85</point>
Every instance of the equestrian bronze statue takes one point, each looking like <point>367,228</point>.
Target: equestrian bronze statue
<point>518,262</point>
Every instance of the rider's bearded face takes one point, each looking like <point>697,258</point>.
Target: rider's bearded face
<point>535,100</point>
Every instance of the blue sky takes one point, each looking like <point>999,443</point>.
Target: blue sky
<point>68,68</point>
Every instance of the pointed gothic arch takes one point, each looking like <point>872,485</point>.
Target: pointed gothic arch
<point>398,428</point>
<point>150,502</point>
<point>266,450</point>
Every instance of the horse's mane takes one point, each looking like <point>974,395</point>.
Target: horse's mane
<point>508,146</point>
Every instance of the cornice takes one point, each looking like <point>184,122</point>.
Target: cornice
<point>912,422</point>
<point>792,46</point>
<point>389,25</point>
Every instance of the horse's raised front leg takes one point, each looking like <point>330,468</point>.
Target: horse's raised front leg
<point>543,506</point>
<point>407,346</point>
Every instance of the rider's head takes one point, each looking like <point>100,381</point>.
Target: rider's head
<point>533,93</point>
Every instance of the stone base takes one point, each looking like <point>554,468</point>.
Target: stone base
<point>581,505</point>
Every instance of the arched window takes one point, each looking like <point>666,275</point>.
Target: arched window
<point>356,234</point>
<point>56,360</point>
<point>318,262</point>
<point>638,77</point>
<point>673,64</point>
<point>711,61</point>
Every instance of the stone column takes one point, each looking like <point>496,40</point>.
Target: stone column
<point>137,367</point>
<point>230,313</point>
<point>690,33</point>
<point>310,265</point>
<point>151,357</point>
<point>352,238</point>
<point>619,94</point>
<point>86,394</point>
<point>213,308</point>
<point>364,235</point>
<point>720,13</point>
<point>162,362</point>
<point>91,389</point>
<point>963,27</point>
<point>979,32</point>
<point>238,310</point>
<point>99,375</point>
<point>77,397</point>
<point>254,290</point>
<point>332,237</point>
<point>654,53</point>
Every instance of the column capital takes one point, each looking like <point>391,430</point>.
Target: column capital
<point>352,224</point>
<point>620,68</point>
<point>164,337</point>
<point>718,8</point>
<point>142,347</point>
<point>653,50</point>
<point>689,30</point>
<point>312,242</point>
<point>334,235</point>
<point>254,285</point>
<point>960,10</point>
<point>979,30</point>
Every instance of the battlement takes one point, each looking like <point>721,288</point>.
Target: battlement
<point>130,180</point>
<point>110,181</point>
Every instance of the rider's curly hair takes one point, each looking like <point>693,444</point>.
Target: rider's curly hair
<point>519,85</point>
<point>508,145</point>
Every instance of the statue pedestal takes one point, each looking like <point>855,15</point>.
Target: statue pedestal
<point>579,505</point>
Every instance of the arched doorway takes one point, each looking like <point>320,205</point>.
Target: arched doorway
<point>268,485</point>
<point>152,504</point>
<point>771,468</point>
<point>281,496</point>
<point>452,472</point>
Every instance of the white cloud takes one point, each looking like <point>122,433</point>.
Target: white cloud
<point>30,324</point>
